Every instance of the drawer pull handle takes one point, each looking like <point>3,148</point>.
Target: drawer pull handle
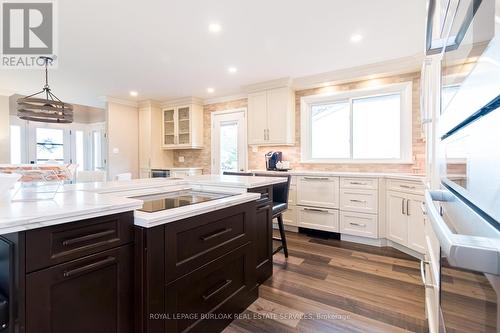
<point>424,209</point>
<point>316,210</point>
<point>224,285</point>
<point>408,187</point>
<point>403,206</point>
<point>357,224</point>
<point>89,267</point>
<point>315,178</point>
<point>358,183</point>
<point>356,200</point>
<point>216,234</point>
<point>85,238</point>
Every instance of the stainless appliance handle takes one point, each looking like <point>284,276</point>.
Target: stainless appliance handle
<point>472,252</point>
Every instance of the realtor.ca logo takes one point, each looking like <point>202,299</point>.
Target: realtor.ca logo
<point>28,31</point>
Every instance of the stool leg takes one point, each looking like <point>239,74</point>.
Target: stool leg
<point>282,234</point>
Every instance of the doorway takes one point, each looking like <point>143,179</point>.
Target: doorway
<point>229,141</point>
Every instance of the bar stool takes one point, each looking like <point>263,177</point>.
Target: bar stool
<point>236,173</point>
<point>280,205</point>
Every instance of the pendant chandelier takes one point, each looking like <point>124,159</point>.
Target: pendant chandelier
<point>47,108</point>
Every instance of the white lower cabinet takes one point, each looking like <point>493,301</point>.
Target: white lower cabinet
<point>405,220</point>
<point>358,224</point>
<point>290,216</point>
<point>318,218</point>
<point>364,201</point>
<point>416,218</point>
<point>318,191</point>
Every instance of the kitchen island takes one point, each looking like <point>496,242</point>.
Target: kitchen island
<point>91,260</point>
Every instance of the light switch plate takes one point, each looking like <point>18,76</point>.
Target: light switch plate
<point>116,150</point>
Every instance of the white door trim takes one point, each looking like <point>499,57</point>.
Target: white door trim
<point>212,136</point>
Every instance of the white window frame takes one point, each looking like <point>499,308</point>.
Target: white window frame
<point>405,89</point>
<point>28,140</point>
<point>214,149</point>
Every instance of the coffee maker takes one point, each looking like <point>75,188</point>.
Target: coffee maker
<point>272,158</point>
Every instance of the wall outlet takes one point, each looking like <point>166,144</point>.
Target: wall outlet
<point>181,159</point>
<point>255,149</point>
<point>116,150</point>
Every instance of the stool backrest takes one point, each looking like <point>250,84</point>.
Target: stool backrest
<point>235,173</point>
<point>280,190</point>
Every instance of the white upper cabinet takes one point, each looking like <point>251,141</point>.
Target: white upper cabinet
<point>271,117</point>
<point>151,154</point>
<point>257,118</point>
<point>182,126</point>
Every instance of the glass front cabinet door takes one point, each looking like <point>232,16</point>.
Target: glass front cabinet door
<point>182,127</point>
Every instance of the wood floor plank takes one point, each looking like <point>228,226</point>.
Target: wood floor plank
<point>338,286</point>
<point>283,314</point>
<point>311,308</point>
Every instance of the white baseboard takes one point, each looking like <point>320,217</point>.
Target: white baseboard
<point>364,240</point>
<point>404,249</point>
<point>381,242</point>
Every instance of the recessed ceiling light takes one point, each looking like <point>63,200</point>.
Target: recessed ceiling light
<point>214,27</point>
<point>134,93</point>
<point>356,38</point>
<point>232,70</point>
<point>210,90</point>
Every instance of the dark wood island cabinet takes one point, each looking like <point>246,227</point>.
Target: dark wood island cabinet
<point>75,277</point>
<point>198,272</point>
<point>105,275</point>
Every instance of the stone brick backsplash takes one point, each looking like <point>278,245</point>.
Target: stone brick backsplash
<point>195,158</point>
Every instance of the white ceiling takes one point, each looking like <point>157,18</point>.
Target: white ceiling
<point>162,48</point>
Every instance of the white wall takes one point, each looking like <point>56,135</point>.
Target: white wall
<point>123,139</point>
<point>4,130</point>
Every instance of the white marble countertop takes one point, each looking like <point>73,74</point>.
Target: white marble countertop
<point>86,200</point>
<point>65,207</point>
<point>347,174</point>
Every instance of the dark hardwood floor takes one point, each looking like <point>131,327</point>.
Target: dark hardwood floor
<point>332,286</point>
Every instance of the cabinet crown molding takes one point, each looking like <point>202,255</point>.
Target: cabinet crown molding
<point>109,99</point>
<point>182,101</point>
<point>149,104</point>
<point>266,85</point>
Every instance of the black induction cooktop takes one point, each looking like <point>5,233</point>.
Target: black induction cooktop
<point>163,201</point>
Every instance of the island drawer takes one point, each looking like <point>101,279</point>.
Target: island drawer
<point>57,244</point>
<point>195,241</point>
<point>207,288</point>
